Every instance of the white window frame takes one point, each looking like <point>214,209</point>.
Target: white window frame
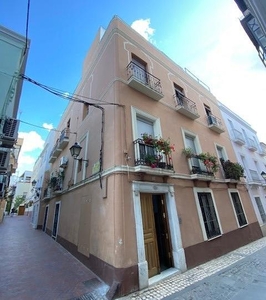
<point>257,208</point>
<point>156,122</point>
<point>231,199</point>
<point>206,190</point>
<point>197,144</point>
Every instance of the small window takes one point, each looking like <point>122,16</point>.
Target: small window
<point>68,123</point>
<point>209,215</point>
<point>241,218</point>
<point>179,94</point>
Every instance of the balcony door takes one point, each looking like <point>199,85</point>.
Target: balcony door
<point>190,143</point>
<point>140,70</point>
<point>145,126</point>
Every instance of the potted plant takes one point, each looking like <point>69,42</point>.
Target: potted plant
<point>232,170</point>
<point>188,152</point>
<point>151,160</point>
<point>148,139</point>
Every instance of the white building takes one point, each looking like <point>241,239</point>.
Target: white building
<point>251,155</point>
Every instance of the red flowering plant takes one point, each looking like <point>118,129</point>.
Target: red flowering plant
<point>162,154</point>
<point>165,148</point>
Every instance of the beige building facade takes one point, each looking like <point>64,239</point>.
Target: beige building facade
<point>130,210</point>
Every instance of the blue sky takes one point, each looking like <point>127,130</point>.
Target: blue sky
<point>204,36</point>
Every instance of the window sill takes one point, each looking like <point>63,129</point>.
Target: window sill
<point>213,238</point>
<point>242,226</point>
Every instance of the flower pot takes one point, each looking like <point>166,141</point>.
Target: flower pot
<point>162,165</point>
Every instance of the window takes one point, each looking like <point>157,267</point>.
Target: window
<point>209,216</point>
<point>261,209</point>
<point>241,218</point>
<point>191,143</point>
<point>179,93</point>
<point>139,70</point>
<point>68,123</point>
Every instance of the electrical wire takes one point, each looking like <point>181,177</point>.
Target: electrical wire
<point>42,127</point>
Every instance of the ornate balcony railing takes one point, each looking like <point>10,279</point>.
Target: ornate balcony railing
<point>143,81</point>
<point>197,167</point>
<point>186,106</point>
<point>148,155</point>
<point>215,123</point>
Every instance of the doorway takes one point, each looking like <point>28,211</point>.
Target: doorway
<point>45,218</point>
<point>156,233</point>
<point>56,218</point>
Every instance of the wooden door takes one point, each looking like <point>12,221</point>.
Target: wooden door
<point>149,231</point>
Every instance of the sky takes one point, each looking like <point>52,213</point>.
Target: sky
<point>203,36</point>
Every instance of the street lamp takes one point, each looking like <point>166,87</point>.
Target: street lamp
<point>75,151</point>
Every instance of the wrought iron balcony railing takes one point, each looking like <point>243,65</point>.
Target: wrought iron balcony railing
<point>148,155</point>
<point>186,106</point>
<point>143,81</point>
<point>197,167</point>
<point>215,123</point>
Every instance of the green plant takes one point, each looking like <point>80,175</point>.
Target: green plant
<point>188,152</point>
<point>210,161</point>
<point>151,160</point>
<point>53,182</point>
<point>164,146</point>
<point>148,139</point>
<point>232,170</point>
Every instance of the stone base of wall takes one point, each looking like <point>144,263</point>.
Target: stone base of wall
<point>203,252</point>
<point>126,279</point>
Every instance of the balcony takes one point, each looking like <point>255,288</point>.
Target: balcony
<point>149,160</point>
<point>63,139</point>
<point>254,179</point>
<point>186,106</point>
<point>197,167</point>
<point>238,137</point>
<point>144,82</point>
<point>215,124</point>
<point>55,152</point>
<point>47,194</point>
<point>252,145</point>
<point>262,151</point>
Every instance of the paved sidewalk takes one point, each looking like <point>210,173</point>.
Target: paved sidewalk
<point>240,274</point>
<point>35,267</point>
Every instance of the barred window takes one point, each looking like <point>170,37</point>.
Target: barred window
<point>241,218</point>
<point>209,215</point>
<point>261,209</point>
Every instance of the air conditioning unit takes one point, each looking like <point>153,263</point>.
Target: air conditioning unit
<point>4,158</point>
<point>9,134</point>
<point>63,162</point>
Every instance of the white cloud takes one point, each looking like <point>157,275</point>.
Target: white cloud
<point>143,28</point>
<point>31,148</point>
<point>48,126</point>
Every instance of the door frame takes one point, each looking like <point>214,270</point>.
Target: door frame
<point>179,260</point>
<point>58,218</point>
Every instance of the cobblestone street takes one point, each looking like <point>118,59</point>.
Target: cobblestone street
<point>240,274</point>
